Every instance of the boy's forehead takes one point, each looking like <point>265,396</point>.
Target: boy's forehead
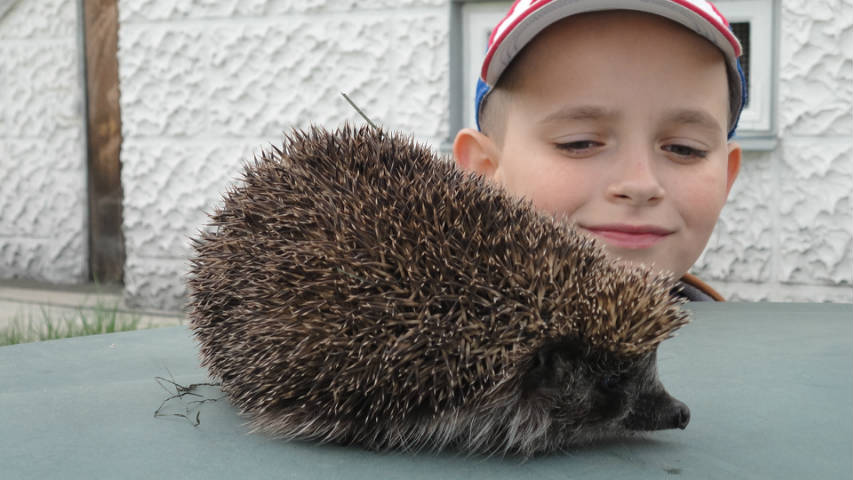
<point>592,27</point>
<point>527,19</point>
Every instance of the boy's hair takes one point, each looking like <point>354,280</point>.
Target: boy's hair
<point>500,75</point>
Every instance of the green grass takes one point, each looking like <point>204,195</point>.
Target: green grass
<point>101,318</point>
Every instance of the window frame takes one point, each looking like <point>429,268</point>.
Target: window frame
<point>757,127</point>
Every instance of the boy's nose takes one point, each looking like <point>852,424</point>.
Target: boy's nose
<point>636,182</point>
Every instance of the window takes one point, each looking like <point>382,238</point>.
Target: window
<point>753,22</point>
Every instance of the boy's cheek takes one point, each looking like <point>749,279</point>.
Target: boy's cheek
<point>700,204</point>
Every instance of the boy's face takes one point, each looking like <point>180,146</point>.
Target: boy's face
<point>619,124</point>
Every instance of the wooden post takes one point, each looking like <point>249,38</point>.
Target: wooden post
<point>106,242</point>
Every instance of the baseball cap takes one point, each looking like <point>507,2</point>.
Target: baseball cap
<point>527,18</point>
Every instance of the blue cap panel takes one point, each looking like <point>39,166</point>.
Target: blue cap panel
<point>482,89</point>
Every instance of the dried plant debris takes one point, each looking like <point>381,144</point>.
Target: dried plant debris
<point>354,288</point>
<point>360,111</point>
<point>186,401</point>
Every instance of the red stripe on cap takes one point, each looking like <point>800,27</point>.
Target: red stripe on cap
<point>719,13</point>
<point>725,31</point>
<point>497,27</point>
<point>493,42</point>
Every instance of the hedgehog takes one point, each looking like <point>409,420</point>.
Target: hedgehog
<point>356,288</point>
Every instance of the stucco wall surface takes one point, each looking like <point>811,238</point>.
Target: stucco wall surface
<point>206,84</point>
<point>43,233</point>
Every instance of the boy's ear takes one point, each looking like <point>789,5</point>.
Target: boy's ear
<point>474,151</point>
<point>733,165</point>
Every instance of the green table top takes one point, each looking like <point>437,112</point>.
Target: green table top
<point>770,389</point>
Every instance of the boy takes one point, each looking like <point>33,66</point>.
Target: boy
<point>617,116</point>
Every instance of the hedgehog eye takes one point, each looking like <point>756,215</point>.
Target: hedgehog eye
<point>610,382</point>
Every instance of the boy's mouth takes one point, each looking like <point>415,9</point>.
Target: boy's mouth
<point>629,236</point>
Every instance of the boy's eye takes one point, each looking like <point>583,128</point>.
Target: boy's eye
<point>685,151</point>
<point>578,146</point>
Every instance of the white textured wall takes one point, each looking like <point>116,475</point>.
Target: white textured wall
<point>204,84</point>
<point>43,232</point>
<point>787,232</point>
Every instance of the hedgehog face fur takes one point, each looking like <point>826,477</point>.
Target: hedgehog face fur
<point>356,289</point>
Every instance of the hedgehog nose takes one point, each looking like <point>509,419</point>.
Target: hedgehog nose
<point>657,412</point>
<point>681,414</point>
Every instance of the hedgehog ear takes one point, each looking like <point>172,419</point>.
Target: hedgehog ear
<point>476,152</point>
<point>549,365</point>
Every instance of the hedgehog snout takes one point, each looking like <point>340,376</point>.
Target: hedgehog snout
<point>658,412</point>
